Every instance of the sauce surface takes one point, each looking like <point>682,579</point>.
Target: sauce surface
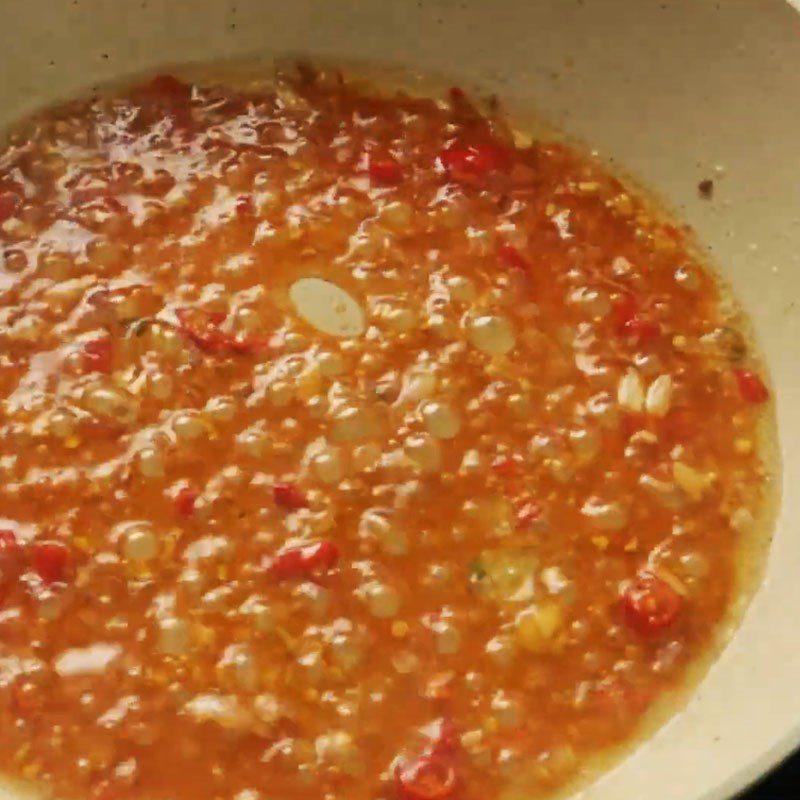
<point>349,449</point>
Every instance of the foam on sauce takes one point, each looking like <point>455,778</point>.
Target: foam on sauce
<point>324,408</point>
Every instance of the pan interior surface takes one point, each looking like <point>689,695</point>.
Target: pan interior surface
<point>639,84</point>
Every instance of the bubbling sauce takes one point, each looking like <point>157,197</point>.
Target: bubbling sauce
<point>349,450</point>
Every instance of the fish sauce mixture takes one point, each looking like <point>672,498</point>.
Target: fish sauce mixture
<point>350,449</point>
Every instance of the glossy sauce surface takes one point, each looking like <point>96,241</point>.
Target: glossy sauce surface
<point>349,449</point>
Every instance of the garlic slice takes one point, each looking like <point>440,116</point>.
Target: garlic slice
<point>327,307</point>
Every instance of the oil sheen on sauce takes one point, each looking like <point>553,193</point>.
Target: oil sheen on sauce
<point>349,451</point>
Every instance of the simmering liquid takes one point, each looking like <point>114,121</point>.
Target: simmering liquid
<point>349,449</point>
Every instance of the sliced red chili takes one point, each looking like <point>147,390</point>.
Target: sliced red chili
<point>303,562</point>
<point>624,308</point>
<point>751,387</point>
<point>641,329</point>
<point>11,557</point>
<point>650,605</point>
<point>52,561</point>
<point>97,355</point>
<point>446,743</point>
<point>427,777</point>
<point>245,345</point>
<point>245,206</point>
<point>184,501</point>
<point>8,205</point>
<point>385,171</point>
<point>288,495</point>
<point>475,160</point>
<point>512,257</point>
<point>217,317</point>
<point>204,330</point>
<point>631,322</point>
<point>504,466</point>
<point>8,540</point>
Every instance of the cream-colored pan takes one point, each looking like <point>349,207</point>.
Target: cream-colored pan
<point>671,91</point>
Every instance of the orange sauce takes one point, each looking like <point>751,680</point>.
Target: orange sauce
<point>462,544</point>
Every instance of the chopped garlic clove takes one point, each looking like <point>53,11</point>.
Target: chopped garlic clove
<point>92,660</point>
<point>659,396</point>
<point>630,392</point>
<point>692,481</point>
<point>327,307</point>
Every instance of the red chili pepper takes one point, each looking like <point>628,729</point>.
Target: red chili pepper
<point>446,742</point>
<point>11,554</point>
<point>304,562</point>
<point>217,317</point>
<point>427,777</point>
<point>288,495</point>
<point>52,561</point>
<point>184,501</point>
<point>631,322</point>
<point>97,355</point>
<point>246,345</point>
<point>751,387</point>
<point>650,605</point>
<point>8,205</point>
<point>245,206</point>
<point>505,466</point>
<point>204,331</point>
<point>624,308</point>
<point>384,171</point>
<point>641,329</point>
<point>8,541</point>
<point>512,257</point>
<point>475,160</point>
